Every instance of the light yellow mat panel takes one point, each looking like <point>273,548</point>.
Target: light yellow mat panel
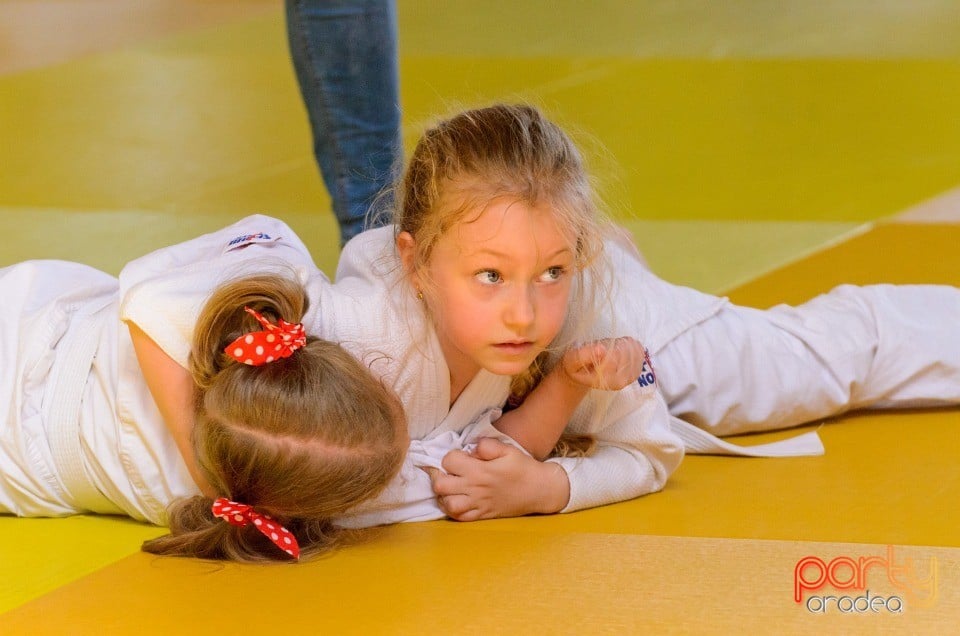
<point>108,239</point>
<point>734,139</point>
<point>728,253</point>
<point>213,122</point>
<point>688,29</point>
<point>432,579</point>
<point>39,555</point>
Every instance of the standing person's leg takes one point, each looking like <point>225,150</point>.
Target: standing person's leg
<point>855,347</point>
<point>345,56</point>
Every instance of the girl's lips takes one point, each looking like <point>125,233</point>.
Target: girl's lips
<point>513,347</point>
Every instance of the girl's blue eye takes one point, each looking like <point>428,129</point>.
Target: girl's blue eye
<point>554,273</point>
<point>489,276</point>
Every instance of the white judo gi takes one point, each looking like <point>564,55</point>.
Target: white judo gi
<point>743,369</point>
<point>729,369</point>
<point>80,431</point>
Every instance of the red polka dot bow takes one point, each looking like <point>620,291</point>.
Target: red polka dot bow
<point>238,514</point>
<point>274,342</point>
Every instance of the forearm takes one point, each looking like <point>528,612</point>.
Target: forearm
<point>636,453</point>
<point>555,489</point>
<point>172,389</point>
<point>540,420</point>
<point>611,474</point>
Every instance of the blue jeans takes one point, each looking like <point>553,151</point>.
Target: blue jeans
<point>345,57</point>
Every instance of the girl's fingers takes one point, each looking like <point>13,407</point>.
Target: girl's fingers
<point>446,485</point>
<point>472,514</point>
<point>457,506</point>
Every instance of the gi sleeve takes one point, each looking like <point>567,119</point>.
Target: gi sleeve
<point>636,449</point>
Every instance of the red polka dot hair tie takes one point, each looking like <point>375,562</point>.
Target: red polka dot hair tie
<point>238,514</point>
<point>274,342</point>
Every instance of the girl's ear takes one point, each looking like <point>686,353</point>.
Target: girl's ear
<point>407,248</point>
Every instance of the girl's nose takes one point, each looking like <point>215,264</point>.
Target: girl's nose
<point>521,307</point>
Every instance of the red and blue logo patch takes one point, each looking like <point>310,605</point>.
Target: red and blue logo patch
<point>249,239</point>
<point>647,375</point>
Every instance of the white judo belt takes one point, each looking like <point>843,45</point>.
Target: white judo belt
<point>699,442</point>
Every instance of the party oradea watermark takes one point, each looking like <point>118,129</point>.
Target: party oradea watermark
<point>865,584</point>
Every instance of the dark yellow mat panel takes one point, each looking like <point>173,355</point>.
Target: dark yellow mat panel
<point>433,579</point>
<point>899,253</point>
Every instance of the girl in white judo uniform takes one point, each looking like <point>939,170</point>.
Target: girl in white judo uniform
<point>494,213</point>
<point>81,433</point>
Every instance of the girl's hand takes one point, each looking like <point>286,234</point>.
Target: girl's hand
<point>498,480</point>
<point>608,364</point>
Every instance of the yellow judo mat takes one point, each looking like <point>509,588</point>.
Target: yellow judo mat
<point>753,151</point>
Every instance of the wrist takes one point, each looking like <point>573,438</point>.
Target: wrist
<point>556,494</point>
<point>567,384</point>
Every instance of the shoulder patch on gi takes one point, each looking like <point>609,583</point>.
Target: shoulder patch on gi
<point>245,240</point>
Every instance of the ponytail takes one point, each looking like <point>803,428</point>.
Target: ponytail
<point>224,319</point>
<point>195,532</point>
<point>302,439</point>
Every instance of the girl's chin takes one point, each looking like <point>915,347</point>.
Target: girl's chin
<point>511,368</point>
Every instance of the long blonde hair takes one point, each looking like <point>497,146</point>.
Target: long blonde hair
<point>507,151</point>
<point>302,439</point>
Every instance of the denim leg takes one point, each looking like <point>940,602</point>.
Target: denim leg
<point>345,56</point>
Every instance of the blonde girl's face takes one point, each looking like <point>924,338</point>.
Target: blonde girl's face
<point>499,285</point>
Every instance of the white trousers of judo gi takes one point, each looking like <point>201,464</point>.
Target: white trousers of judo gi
<point>879,346</point>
